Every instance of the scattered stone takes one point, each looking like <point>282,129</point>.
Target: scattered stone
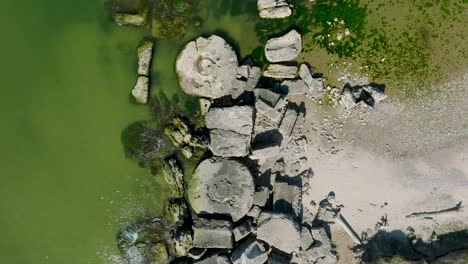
<point>316,87</point>
<point>273,8</point>
<point>284,48</point>
<point>221,187</point>
<point>140,90</point>
<point>209,233</point>
<point>306,73</point>
<point>261,196</point>
<point>376,93</point>
<point>348,101</point>
<point>242,230</point>
<point>249,252</point>
<point>328,259</point>
<point>207,67</point>
<point>279,231</point>
<point>287,199</point>
<point>295,87</point>
<point>215,259</point>
<point>280,71</point>
<point>145,54</point>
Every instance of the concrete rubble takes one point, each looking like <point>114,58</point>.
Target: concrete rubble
<point>272,9</point>
<point>246,195</point>
<point>284,48</point>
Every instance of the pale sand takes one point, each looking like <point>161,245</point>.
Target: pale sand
<point>395,160</point>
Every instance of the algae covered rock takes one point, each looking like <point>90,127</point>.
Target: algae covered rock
<point>174,177</point>
<point>140,90</point>
<point>171,18</point>
<point>180,132</point>
<point>142,141</point>
<point>223,187</point>
<point>207,67</point>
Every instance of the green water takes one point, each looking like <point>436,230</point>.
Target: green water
<point>66,187</point>
<point>66,72</point>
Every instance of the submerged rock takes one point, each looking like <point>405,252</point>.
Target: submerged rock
<point>209,233</point>
<point>145,54</point>
<point>174,177</point>
<point>140,90</point>
<point>284,48</point>
<point>221,187</point>
<point>171,18</point>
<point>280,71</point>
<point>180,133</point>
<point>279,231</point>
<point>129,19</point>
<point>207,67</point>
<point>273,8</point>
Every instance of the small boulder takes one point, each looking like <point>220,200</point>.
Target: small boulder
<point>249,252</point>
<point>287,199</point>
<point>284,48</point>
<point>183,242</point>
<point>261,196</point>
<point>226,143</point>
<point>242,230</point>
<point>295,87</point>
<point>209,233</point>
<point>279,231</point>
<point>221,187</point>
<point>280,71</point>
<point>207,67</point>
<point>215,259</point>
<point>273,8</point>
<point>140,90</point>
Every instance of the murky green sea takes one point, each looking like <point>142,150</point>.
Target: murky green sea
<point>66,72</point>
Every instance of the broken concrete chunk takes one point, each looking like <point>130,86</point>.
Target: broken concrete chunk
<point>306,238</point>
<point>295,87</point>
<point>145,54</point>
<point>140,90</point>
<point>226,143</point>
<point>128,19</point>
<point>268,96</point>
<point>221,187</point>
<point>207,67</point>
<point>289,120</point>
<point>287,199</point>
<point>305,73</point>
<point>209,233</point>
<point>254,212</point>
<point>284,48</point>
<point>273,9</point>
<point>242,230</point>
<point>328,259</point>
<point>279,231</point>
<point>280,71</point>
<point>238,119</point>
<point>261,196</point>
<point>322,242</point>
<point>249,252</point>
<point>215,259</point>
<point>268,117</point>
